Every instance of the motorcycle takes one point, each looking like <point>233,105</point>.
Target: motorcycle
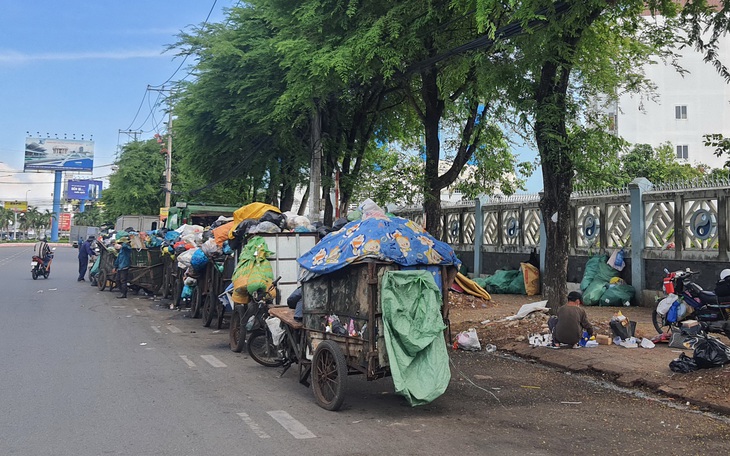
<point>38,268</point>
<point>685,300</point>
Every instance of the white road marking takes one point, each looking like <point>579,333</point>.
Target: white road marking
<point>254,426</point>
<point>213,361</point>
<point>187,361</point>
<point>174,329</point>
<point>156,329</point>
<point>295,428</point>
<point>137,310</point>
<point>118,307</point>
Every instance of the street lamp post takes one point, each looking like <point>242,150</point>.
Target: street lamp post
<point>26,208</point>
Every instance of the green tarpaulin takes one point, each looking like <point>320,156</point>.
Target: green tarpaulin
<point>414,335</point>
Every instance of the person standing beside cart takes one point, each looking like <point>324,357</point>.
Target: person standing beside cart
<point>121,266</point>
<point>85,253</point>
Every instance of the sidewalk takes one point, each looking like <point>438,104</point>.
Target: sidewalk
<point>628,367</point>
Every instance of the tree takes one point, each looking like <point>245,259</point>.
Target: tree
<point>136,187</point>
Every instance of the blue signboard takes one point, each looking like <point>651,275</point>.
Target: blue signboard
<point>52,154</point>
<point>84,189</point>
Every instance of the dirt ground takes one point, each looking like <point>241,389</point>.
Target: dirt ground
<point>645,368</point>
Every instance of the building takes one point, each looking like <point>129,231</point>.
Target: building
<point>686,108</point>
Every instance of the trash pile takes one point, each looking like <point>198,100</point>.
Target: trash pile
<point>522,281</point>
<point>601,284</point>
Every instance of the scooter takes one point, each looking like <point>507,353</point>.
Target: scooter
<point>38,268</point>
<point>701,305</point>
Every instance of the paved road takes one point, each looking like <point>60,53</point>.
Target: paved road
<point>83,373</point>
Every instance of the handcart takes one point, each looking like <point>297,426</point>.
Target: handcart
<point>351,293</point>
<point>217,276</point>
<point>105,278</point>
<point>146,270</point>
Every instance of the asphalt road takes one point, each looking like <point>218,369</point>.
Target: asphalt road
<point>83,373</point>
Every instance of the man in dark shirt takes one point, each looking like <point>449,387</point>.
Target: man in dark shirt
<point>85,252</point>
<point>568,326</point>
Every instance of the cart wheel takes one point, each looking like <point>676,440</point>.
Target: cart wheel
<point>329,375</point>
<point>101,281</point>
<point>176,296</point>
<point>262,349</point>
<point>208,309</point>
<point>237,333</point>
<point>220,312</point>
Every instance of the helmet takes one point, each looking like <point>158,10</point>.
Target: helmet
<point>724,273</point>
<point>91,238</point>
<point>44,238</point>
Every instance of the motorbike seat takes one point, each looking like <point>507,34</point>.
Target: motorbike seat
<point>708,298</point>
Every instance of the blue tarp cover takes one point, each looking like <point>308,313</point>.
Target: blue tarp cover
<point>392,239</point>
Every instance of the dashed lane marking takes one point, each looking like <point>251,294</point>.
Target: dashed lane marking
<point>213,361</point>
<point>187,361</point>
<point>174,329</point>
<point>137,311</point>
<point>156,329</point>
<point>254,426</point>
<point>295,428</point>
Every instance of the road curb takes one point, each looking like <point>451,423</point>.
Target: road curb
<point>616,373</point>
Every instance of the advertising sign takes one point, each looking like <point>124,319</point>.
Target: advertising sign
<point>16,206</point>
<point>64,221</point>
<point>53,154</point>
<point>84,189</point>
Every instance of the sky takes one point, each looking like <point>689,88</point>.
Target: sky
<point>74,67</point>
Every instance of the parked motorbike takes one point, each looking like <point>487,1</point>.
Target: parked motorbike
<point>38,268</point>
<point>251,317</point>
<point>702,305</point>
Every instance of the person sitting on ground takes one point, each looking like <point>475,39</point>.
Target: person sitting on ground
<point>567,327</point>
<point>722,288</point>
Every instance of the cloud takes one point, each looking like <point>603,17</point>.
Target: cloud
<point>12,57</point>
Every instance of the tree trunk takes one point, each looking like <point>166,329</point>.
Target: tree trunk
<point>433,110</point>
<point>328,208</point>
<point>305,200</point>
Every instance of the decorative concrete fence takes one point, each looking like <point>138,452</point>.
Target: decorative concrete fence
<point>673,226</point>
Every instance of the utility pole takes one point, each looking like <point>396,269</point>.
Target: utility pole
<point>168,154</point>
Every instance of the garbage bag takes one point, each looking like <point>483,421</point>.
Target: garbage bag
<point>684,364</point>
<point>517,285</point>
<point>276,218</point>
<point>617,295</point>
<point>593,293</point>
<point>591,268</point>
<point>710,352</point>
<point>199,260</point>
<point>499,282</point>
<point>413,331</point>
<point>221,233</point>
<point>253,271</point>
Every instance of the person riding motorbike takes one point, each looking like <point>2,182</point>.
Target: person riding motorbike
<point>43,250</point>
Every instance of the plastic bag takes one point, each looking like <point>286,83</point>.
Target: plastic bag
<point>616,260</point>
<point>468,340</point>
<point>710,352</point>
<point>591,269</point>
<point>684,364</point>
<point>665,304</point>
<point>673,313</point>
<point>277,332</point>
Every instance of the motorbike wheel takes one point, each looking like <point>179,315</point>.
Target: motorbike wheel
<point>101,281</point>
<point>34,273</point>
<point>262,349</point>
<point>329,375</point>
<point>46,273</point>
<point>237,331</point>
<point>660,323</point>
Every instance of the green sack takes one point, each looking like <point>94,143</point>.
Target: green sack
<point>517,285</point>
<point>500,282</point>
<point>594,292</point>
<point>95,268</point>
<point>591,269</point>
<point>253,271</point>
<point>617,295</point>
<point>604,272</point>
<point>413,329</point>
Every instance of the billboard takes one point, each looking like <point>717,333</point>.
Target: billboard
<point>16,206</point>
<point>64,221</point>
<point>52,154</point>
<point>84,189</point>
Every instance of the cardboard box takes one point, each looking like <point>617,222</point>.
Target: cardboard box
<point>602,339</point>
